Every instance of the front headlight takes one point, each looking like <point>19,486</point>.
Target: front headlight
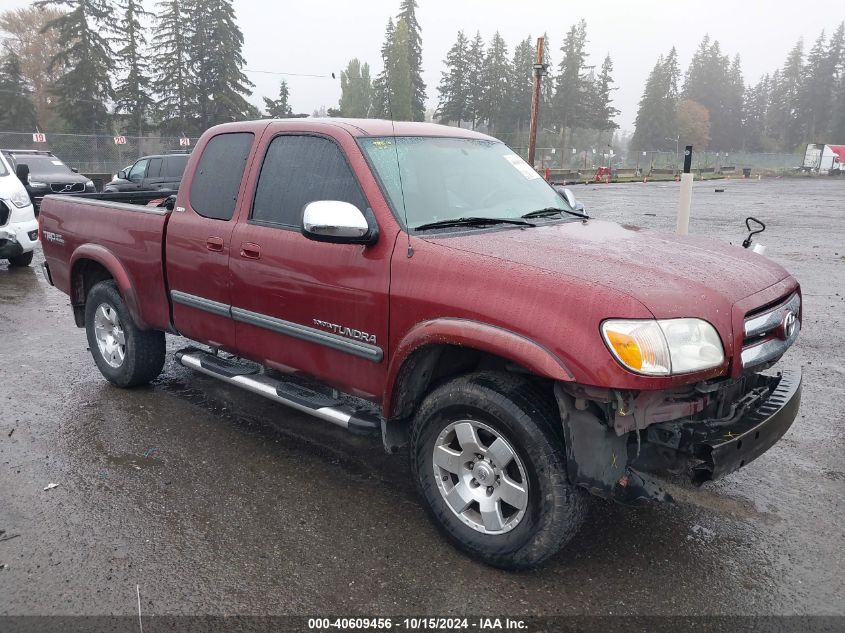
<point>89,184</point>
<point>20,198</point>
<point>664,347</point>
<point>36,184</point>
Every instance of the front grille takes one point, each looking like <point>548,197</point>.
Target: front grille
<point>67,187</point>
<point>5,212</point>
<point>770,332</point>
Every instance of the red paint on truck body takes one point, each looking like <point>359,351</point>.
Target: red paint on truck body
<point>534,296</point>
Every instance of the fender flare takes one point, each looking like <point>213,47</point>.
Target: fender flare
<point>111,263</point>
<point>477,335</point>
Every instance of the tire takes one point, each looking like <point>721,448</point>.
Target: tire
<point>512,409</point>
<point>139,359</point>
<point>19,261</point>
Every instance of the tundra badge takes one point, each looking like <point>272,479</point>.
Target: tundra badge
<point>347,331</point>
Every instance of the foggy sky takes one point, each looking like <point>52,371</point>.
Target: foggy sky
<point>319,37</point>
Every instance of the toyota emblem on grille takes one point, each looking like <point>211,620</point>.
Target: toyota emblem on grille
<point>788,325</point>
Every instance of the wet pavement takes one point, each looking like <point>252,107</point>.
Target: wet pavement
<point>214,501</point>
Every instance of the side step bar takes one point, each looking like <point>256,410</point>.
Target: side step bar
<point>291,394</point>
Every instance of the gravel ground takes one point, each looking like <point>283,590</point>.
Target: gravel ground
<point>213,501</point>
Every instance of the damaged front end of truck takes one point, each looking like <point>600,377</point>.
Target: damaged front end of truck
<point>617,442</point>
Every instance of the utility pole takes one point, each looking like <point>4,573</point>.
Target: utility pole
<point>539,71</point>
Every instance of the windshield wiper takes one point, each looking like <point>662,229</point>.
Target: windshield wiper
<point>548,211</point>
<point>471,221</point>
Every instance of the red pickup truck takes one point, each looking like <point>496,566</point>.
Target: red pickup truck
<point>424,283</point>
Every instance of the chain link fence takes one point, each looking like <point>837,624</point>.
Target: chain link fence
<point>100,154</point>
<point>95,153</point>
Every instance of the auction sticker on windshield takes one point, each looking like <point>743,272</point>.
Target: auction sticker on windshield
<point>521,166</point>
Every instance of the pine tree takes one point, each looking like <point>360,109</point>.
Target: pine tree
<point>572,97</point>
<point>837,126</point>
<point>453,91</point>
<point>17,108</point>
<point>820,84</point>
<point>133,92</point>
<point>86,61</point>
<point>407,12</point>
<point>521,84</point>
<point>784,121</point>
<point>356,90</point>
<point>603,110</point>
<point>657,114</point>
<point>393,88</point>
<point>381,105</point>
<point>475,70</point>
<point>218,86</point>
<point>496,76</point>
<point>709,82</point>
<point>755,108</point>
<point>279,108</point>
<point>171,82</point>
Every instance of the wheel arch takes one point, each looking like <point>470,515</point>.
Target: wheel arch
<point>449,346</point>
<point>91,264</point>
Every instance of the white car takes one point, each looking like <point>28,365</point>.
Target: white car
<point>18,226</point>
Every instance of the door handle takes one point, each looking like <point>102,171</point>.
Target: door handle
<point>214,244</point>
<point>250,250</point>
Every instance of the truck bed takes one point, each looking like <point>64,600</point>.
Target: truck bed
<point>126,239</point>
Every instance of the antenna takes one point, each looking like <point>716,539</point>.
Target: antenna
<point>398,166</point>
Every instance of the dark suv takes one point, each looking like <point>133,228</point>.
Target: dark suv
<point>42,172</point>
<point>160,171</point>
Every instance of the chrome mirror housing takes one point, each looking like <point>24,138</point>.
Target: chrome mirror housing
<point>336,221</point>
<point>567,194</point>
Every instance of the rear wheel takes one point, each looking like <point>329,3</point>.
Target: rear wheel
<point>125,355</point>
<point>487,457</point>
<point>19,261</point>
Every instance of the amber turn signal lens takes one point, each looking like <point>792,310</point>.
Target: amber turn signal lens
<point>626,349</point>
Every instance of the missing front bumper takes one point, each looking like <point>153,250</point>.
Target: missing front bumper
<point>704,450</point>
<point>618,466</point>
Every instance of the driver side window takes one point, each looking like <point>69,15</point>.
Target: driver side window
<point>138,169</point>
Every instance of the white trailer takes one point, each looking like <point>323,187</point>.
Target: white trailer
<point>824,159</point>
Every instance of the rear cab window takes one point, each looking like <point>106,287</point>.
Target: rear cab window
<point>154,169</point>
<point>218,175</point>
<point>174,166</point>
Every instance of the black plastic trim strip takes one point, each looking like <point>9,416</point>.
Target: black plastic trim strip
<point>305,333</point>
<point>201,303</point>
<point>312,335</point>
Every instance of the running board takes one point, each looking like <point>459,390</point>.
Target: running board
<point>291,394</point>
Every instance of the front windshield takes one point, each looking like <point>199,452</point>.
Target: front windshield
<point>42,163</point>
<point>450,178</point>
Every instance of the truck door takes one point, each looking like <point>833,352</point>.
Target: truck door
<point>314,307</point>
<point>136,175</point>
<point>153,178</point>
<point>199,240</point>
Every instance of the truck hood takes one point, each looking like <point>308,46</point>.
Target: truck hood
<point>667,273</point>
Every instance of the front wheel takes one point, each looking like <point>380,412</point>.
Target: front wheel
<point>487,457</point>
<point>125,355</point>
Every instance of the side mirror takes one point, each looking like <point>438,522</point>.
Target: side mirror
<point>123,175</point>
<point>570,198</point>
<point>74,170</point>
<point>336,221</point>
<point>22,172</point>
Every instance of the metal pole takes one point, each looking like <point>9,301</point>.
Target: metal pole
<point>539,71</point>
<point>686,194</point>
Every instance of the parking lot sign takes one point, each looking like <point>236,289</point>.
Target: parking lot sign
<point>39,137</point>
<point>120,140</point>
<point>184,141</point>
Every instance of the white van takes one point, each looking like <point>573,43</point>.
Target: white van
<point>18,226</point>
